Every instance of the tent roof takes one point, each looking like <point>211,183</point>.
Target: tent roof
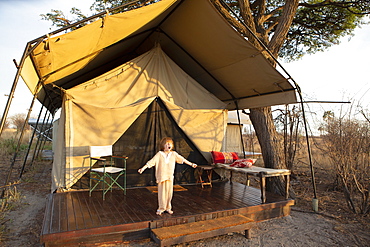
<point>191,32</point>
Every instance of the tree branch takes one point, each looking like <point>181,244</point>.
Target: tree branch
<point>283,27</point>
<point>361,5</point>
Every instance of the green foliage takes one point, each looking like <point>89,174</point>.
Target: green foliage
<point>59,19</point>
<point>101,5</point>
<point>8,146</point>
<point>317,24</point>
<point>316,28</point>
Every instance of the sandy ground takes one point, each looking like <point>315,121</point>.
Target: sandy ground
<point>302,228</point>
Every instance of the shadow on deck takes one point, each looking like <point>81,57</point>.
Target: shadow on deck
<point>73,218</point>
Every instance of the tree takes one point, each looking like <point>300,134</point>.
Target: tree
<point>289,29</point>
<point>18,121</point>
<point>285,28</point>
<point>347,144</point>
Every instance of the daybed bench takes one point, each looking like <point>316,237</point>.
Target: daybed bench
<point>224,160</point>
<point>260,172</point>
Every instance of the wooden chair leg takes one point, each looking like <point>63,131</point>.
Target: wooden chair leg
<point>247,233</point>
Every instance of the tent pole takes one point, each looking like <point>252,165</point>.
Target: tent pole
<point>286,135</point>
<point>45,135</point>
<point>30,144</point>
<point>26,52</point>
<point>38,40</point>
<point>41,137</point>
<point>240,128</point>
<point>314,201</point>
<point>14,86</point>
<point>18,146</point>
<point>85,20</point>
<point>258,40</point>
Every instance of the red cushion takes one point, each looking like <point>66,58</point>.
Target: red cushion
<point>224,157</point>
<point>243,163</point>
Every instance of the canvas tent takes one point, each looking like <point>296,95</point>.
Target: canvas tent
<point>99,111</point>
<point>214,67</point>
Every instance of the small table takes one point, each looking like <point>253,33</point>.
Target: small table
<point>208,172</point>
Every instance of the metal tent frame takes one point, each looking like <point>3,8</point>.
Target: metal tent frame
<point>32,44</point>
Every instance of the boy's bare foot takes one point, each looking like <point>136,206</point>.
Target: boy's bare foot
<point>159,212</point>
<point>169,211</point>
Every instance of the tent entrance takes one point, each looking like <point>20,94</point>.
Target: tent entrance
<point>140,143</point>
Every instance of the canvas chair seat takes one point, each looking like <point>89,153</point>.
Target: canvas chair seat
<point>108,169</point>
<point>106,175</point>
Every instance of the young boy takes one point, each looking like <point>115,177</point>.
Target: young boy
<point>164,162</point>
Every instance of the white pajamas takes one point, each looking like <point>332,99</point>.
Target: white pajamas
<point>164,173</point>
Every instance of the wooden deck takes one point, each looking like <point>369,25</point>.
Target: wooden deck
<point>74,218</point>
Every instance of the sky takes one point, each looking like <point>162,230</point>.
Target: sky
<point>341,73</point>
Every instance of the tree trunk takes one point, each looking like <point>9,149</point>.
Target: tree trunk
<point>270,143</point>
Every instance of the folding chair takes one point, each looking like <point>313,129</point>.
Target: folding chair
<point>106,174</point>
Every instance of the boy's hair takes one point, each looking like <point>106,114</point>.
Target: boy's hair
<point>163,141</point>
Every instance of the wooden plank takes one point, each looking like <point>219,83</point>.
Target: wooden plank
<point>47,216</point>
<point>66,236</point>
<point>119,207</point>
<point>55,217</point>
<point>88,217</point>
<point>108,218</point>
<point>61,205</point>
<point>71,219</point>
<point>148,204</point>
<point>133,208</point>
<point>90,211</point>
<point>127,215</point>
<point>202,229</point>
<point>78,212</point>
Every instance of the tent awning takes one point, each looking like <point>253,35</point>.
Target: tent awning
<point>191,32</point>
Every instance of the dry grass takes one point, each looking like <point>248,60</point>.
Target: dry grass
<point>331,199</point>
<point>12,200</point>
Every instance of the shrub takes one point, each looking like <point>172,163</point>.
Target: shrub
<point>348,146</point>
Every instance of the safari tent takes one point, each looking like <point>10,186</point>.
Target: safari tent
<point>172,68</point>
